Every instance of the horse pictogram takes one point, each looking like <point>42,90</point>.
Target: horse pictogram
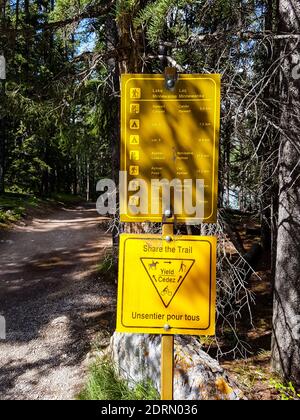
<point>154,265</point>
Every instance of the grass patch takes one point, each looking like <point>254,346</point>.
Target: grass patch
<point>287,391</point>
<point>104,384</point>
<point>15,205</point>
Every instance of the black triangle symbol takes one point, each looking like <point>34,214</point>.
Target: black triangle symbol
<point>167,291</point>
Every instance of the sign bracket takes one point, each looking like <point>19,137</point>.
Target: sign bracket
<point>171,77</point>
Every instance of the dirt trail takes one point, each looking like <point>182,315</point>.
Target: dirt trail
<point>53,302</point>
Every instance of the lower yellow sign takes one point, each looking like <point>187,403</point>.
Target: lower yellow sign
<point>167,287</point>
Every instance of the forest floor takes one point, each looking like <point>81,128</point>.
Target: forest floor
<point>253,373</point>
<point>53,301</point>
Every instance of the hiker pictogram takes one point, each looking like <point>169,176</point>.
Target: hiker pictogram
<point>167,275</point>
<point>135,93</point>
<point>182,267</point>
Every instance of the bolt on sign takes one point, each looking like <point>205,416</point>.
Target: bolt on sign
<point>169,135</point>
<point>167,287</point>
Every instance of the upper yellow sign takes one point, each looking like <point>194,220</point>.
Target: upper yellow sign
<point>170,135</point>
<point>167,287</point>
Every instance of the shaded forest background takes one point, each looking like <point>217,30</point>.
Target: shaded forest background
<point>60,109</point>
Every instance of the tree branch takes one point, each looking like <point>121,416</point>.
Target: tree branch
<point>169,59</point>
<point>240,35</point>
<point>89,13</point>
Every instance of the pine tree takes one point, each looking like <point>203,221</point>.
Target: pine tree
<point>286,320</point>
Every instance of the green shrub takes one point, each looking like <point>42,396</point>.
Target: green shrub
<point>13,206</point>
<point>287,392</point>
<point>107,268</point>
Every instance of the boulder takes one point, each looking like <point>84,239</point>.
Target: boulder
<point>197,376</point>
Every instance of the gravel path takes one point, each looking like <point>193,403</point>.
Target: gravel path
<point>54,303</point>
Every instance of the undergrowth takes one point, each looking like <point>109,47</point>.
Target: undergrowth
<point>105,384</point>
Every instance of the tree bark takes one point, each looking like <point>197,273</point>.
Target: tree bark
<point>2,104</point>
<point>87,180</point>
<point>269,184</point>
<point>27,50</point>
<point>131,62</point>
<point>286,321</point>
<point>2,136</point>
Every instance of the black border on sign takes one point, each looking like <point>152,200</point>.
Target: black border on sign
<point>210,285</point>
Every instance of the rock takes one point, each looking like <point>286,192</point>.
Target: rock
<point>197,376</point>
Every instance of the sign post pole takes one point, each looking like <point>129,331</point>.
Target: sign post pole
<point>167,344</point>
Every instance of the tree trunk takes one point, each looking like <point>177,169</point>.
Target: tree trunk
<point>286,321</point>
<point>268,197</point>
<point>2,137</point>
<point>87,179</point>
<point>131,62</point>
<point>27,39</point>
<point>2,106</point>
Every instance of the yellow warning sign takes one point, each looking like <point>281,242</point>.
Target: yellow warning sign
<point>177,136</point>
<point>167,287</point>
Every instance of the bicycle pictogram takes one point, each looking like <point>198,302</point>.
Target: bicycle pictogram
<point>166,292</point>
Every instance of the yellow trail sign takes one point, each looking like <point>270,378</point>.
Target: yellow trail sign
<point>168,135</point>
<point>167,287</point>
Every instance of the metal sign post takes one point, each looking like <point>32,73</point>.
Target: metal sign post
<point>167,341</point>
<point>167,367</point>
